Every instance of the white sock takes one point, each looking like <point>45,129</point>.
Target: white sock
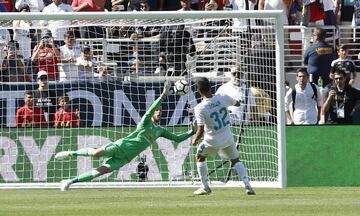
<point>203,172</point>
<point>240,169</point>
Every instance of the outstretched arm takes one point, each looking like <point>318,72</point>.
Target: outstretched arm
<point>177,137</point>
<point>157,103</point>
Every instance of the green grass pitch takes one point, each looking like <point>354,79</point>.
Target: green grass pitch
<point>107,202</point>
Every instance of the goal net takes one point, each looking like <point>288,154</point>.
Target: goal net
<point>83,80</point>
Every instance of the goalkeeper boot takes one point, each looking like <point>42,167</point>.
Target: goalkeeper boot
<point>202,191</point>
<point>65,185</point>
<point>62,155</point>
<point>249,190</point>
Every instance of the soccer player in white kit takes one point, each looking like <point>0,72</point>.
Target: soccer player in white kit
<point>213,118</point>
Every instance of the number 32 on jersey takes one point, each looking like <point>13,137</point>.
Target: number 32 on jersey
<point>220,118</point>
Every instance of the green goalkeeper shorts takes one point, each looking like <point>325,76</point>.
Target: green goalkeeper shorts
<point>114,161</point>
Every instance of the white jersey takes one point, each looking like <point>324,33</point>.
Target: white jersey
<point>239,94</point>
<point>213,114</point>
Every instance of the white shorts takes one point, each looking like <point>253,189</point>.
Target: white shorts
<point>228,153</point>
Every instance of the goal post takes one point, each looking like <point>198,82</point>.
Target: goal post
<point>154,47</point>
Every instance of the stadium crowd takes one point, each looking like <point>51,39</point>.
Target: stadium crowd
<point>59,52</point>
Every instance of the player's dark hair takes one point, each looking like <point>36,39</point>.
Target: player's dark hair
<point>342,47</point>
<point>340,71</point>
<point>320,33</point>
<point>203,85</point>
<point>28,92</point>
<point>302,70</point>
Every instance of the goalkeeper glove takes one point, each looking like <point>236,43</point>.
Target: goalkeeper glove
<point>166,89</point>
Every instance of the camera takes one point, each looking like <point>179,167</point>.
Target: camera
<point>333,88</point>
<point>46,41</point>
<point>142,169</point>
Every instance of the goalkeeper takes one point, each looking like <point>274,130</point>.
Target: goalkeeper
<point>124,150</point>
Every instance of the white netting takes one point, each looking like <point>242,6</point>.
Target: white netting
<point>111,70</point>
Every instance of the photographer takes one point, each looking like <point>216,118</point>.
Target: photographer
<point>341,100</point>
<point>12,66</point>
<point>46,56</point>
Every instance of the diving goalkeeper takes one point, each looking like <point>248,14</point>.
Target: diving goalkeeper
<point>124,150</point>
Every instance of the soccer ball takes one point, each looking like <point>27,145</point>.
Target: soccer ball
<point>181,87</point>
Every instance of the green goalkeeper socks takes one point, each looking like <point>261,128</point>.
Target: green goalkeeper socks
<point>86,176</point>
<point>83,152</point>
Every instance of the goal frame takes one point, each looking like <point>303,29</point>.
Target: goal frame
<point>279,45</point>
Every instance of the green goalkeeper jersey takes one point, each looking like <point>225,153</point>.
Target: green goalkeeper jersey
<point>145,134</point>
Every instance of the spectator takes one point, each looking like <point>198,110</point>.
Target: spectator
<point>4,40</point>
<point>69,53</point>
<point>143,31</point>
<point>242,27</point>
<point>102,75</point>
<point>86,64</point>
<point>295,16</point>
<point>239,89</point>
<point>176,43</point>
<point>30,115</point>
<point>166,5</point>
<point>57,27</point>
<point>341,100</point>
<point>45,98</point>
<point>35,5</point>
<point>276,5</point>
<point>121,5</point>
<point>13,66</point>
<point>142,49</point>
<point>23,36</point>
<point>306,100</point>
<point>46,56</point>
<point>318,57</point>
<point>332,8</point>
<point>241,5</point>
<point>185,5</point>
<point>90,6</point>
<point>212,5</point>
<point>313,15</point>
<point>154,5</point>
<point>345,63</point>
<point>66,116</point>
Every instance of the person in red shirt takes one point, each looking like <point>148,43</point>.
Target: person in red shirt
<point>46,56</point>
<point>30,115</point>
<point>88,5</point>
<point>66,116</point>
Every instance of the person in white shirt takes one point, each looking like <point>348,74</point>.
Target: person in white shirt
<point>4,40</point>
<point>213,122</point>
<point>86,64</point>
<point>240,5</point>
<point>35,5</point>
<point>69,53</point>
<point>239,90</point>
<point>276,5</point>
<point>307,102</point>
<point>57,27</point>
